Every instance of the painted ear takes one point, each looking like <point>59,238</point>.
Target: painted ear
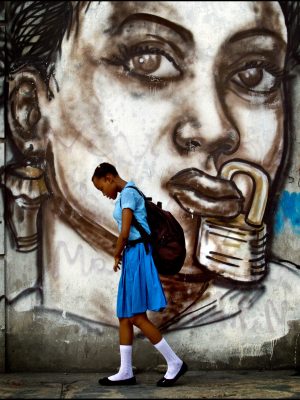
<point>27,98</point>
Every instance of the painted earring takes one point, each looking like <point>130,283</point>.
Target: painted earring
<point>25,191</point>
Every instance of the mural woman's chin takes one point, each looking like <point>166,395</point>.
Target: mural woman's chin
<point>97,236</point>
<point>74,215</point>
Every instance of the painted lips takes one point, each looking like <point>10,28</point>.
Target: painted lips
<point>201,194</point>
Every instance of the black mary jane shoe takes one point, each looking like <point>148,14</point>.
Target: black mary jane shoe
<point>106,382</point>
<point>164,382</point>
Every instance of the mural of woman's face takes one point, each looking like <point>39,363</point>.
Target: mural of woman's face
<point>159,87</point>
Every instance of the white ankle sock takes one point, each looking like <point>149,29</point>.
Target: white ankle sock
<point>173,361</point>
<point>125,370</point>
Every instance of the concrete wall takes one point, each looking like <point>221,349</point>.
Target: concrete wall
<point>60,290</point>
<point>287,217</point>
<point>2,225</point>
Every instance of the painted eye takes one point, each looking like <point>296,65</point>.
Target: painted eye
<point>256,79</point>
<point>151,64</point>
<point>145,64</point>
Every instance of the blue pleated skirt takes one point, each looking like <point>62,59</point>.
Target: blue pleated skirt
<point>140,288</point>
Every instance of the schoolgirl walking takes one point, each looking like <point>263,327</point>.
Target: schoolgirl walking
<point>140,288</point>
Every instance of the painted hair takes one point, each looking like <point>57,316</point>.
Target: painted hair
<point>104,169</point>
<point>35,31</point>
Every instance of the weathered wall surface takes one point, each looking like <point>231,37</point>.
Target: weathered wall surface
<point>287,215</point>
<point>2,226</point>
<point>195,90</point>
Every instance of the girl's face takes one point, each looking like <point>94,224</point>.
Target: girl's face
<point>107,186</point>
<point>160,87</point>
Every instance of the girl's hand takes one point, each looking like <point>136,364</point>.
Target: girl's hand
<point>117,263</point>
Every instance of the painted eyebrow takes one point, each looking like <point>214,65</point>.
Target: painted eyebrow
<point>185,34</point>
<point>256,32</point>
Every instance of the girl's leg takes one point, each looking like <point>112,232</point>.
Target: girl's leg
<point>125,331</point>
<point>147,327</point>
<point>126,339</point>
<point>153,334</point>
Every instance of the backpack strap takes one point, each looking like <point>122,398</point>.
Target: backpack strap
<point>138,190</point>
<point>144,234</point>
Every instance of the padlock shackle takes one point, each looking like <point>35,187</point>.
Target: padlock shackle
<point>260,189</point>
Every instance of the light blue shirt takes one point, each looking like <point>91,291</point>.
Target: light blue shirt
<point>130,198</point>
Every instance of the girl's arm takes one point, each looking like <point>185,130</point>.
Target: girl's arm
<point>123,237</point>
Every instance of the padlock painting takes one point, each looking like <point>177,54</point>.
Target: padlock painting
<point>234,248</point>
<point>196,102</point>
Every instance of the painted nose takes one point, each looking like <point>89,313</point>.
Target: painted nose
<point>188,137</point>
<point>206,125</point>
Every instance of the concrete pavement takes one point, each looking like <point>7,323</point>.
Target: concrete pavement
<point>241,384</point>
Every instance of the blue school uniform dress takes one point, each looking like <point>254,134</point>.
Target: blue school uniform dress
<point>140,288</point>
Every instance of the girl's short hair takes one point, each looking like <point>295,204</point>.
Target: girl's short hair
<point>103,169</point>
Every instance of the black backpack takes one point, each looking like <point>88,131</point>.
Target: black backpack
<point>167,237</point>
